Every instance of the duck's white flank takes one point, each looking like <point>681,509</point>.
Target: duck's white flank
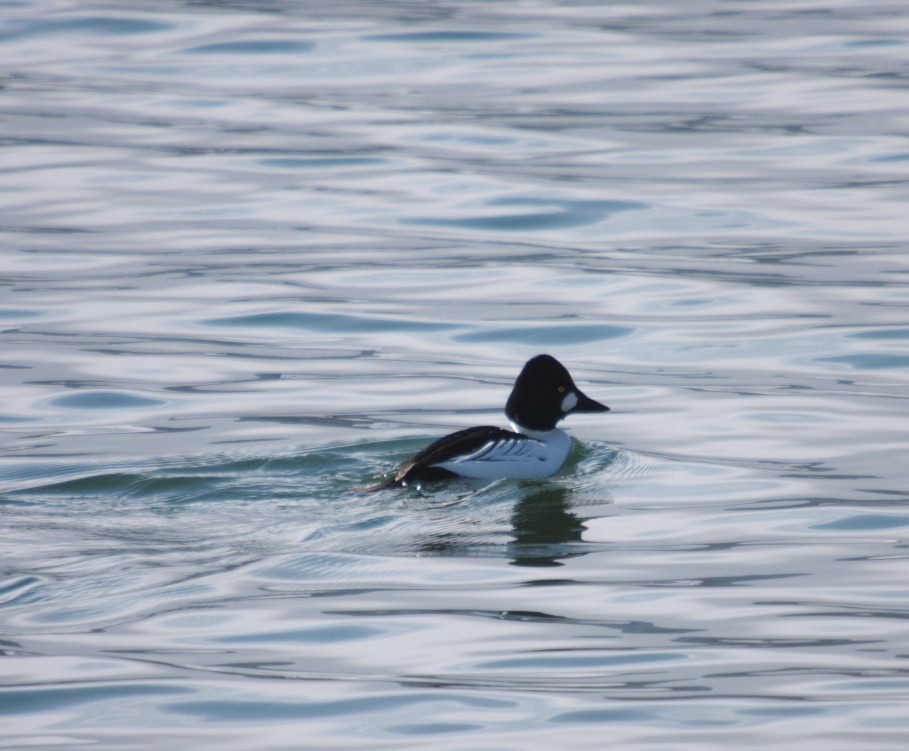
<point>539,454</point>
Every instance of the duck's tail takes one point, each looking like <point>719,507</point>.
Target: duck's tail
<point>387,483</point>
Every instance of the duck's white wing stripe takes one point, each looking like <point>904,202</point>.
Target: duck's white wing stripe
<point>508,450</point>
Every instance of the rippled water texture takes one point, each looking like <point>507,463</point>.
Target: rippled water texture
<point>255,253</point>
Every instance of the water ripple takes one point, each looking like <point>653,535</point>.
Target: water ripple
<point>255,254</point>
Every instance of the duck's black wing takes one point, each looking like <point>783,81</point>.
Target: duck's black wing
<point>420,467</point>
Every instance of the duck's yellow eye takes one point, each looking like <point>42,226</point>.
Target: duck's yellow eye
<point>561,389</point>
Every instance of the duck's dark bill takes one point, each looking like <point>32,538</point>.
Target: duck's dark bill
<point>586,404</point>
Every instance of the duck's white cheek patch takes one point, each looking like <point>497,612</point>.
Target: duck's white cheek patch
<point>569,402</point>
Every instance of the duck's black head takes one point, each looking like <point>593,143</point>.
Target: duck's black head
<point>544,393</point>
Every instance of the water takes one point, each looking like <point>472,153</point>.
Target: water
<point>255,253</point>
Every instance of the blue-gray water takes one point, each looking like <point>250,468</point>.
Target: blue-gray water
<point>254,253</point>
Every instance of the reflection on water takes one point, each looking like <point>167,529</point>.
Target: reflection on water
<point>544,528</point>
<point>254,253</point>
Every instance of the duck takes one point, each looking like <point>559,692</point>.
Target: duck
<point>544,393</point>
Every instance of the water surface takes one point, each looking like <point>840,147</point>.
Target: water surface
<point>255,253</point>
